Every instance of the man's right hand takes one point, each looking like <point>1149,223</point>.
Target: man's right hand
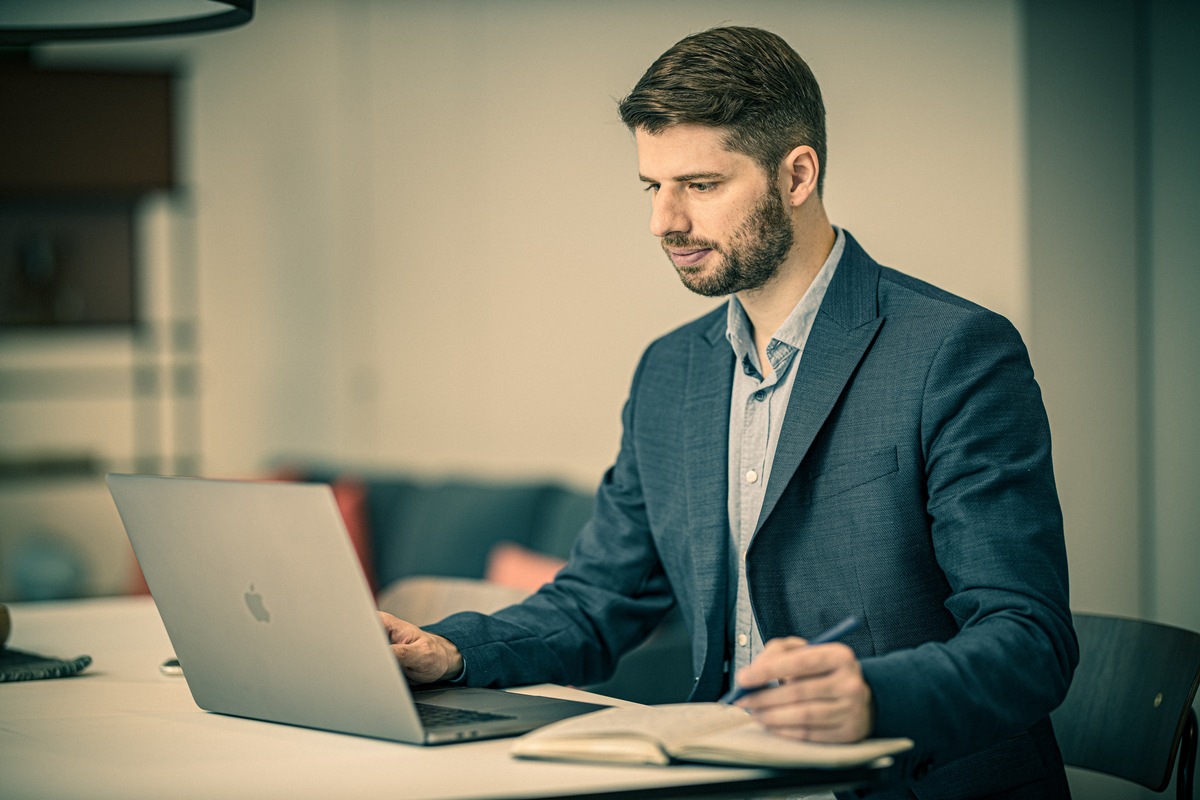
<point>424,657</point>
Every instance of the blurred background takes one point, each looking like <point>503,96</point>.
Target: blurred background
<point>410,236</point>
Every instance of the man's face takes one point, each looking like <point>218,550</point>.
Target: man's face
<point>721,222</point>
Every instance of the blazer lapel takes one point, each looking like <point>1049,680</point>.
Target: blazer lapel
<point>845,326</point>
<point>706,472</point>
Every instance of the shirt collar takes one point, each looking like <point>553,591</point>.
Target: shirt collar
<point>794,330</point>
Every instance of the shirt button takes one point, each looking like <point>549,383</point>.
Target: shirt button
<point>760,395</point>
<point>751,477</point>
<point>743,640</point>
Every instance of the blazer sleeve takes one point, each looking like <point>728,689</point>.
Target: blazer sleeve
<point>608,598</point>
<point>997,535</point>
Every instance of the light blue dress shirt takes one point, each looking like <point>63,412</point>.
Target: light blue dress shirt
<point>756,411</point>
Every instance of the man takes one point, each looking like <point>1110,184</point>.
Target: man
<point>838,440</point>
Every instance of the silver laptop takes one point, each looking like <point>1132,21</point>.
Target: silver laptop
<point>271,617</point>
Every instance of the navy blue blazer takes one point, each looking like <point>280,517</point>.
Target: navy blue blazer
<point>912,487</point>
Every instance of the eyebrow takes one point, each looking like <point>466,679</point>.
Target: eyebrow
<point>689,178</point>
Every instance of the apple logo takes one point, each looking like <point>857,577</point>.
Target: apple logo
<point>254,602</point>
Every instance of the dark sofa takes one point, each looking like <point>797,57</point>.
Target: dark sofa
<point>407,527</point>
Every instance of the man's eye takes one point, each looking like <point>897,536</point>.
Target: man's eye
<point>704,187</point>
<point>651,187</point>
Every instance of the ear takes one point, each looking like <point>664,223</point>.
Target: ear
<point>800,169</point>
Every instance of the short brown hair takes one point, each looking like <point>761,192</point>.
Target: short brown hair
<point>747,81</point>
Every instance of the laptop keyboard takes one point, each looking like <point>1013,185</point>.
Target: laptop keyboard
<point>443,716</point>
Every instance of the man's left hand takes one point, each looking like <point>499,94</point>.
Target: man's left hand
<point>821,696</point>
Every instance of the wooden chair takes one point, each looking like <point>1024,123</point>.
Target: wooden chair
<point>1129,710</point>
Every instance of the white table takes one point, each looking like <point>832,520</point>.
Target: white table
<point>122,729</point>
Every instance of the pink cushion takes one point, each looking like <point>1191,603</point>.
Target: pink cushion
<point>510,564</point>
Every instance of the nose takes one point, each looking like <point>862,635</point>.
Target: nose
<point>667,214</point>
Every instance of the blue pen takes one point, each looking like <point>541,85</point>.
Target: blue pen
<point>832,635</point>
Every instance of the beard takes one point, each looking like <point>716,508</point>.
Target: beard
<point>752,256</point>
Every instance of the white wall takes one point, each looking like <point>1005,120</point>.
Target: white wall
<point>418,236</point>
<point>422,241</point>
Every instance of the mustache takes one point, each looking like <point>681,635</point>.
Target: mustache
<point>682,242</point>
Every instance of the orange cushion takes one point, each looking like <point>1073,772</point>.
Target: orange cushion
<point>351,497</point>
